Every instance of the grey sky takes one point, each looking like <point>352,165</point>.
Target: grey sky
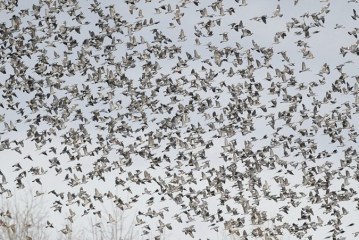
<point>324,43</point>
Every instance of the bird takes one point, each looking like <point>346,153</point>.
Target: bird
<point>355,15</point>
<point>304,68</point>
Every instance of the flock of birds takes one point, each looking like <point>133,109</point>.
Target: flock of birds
<point>187,106</point>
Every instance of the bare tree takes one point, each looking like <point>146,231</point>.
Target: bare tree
<point>112,225</point>
<point>23,218</point>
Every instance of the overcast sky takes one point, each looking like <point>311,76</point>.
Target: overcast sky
<point>324,43</point>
